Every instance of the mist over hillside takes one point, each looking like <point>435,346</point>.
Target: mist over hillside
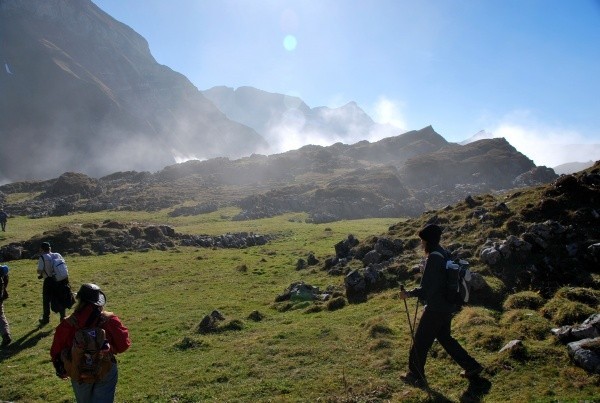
<point>80,91</point>
<point>287,122</point>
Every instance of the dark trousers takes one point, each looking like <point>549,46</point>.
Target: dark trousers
<point>436,325</point>
<point>47,292</point>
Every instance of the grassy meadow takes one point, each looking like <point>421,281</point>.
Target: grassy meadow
<point>352,354</point>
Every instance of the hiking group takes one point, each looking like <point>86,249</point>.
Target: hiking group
<point>85,343</point>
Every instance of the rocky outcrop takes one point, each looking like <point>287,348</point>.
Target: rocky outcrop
<point>583,342</point>
<point>116,237</point>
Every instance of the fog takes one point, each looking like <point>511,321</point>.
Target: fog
<point>547,146</point>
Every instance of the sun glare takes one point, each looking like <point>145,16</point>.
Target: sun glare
<point>290,42</point>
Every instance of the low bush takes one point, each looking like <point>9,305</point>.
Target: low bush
<point>523,300</point>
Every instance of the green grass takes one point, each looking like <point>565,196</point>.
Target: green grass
<point>352,354</point>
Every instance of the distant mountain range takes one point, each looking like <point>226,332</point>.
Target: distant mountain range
<point>394,177</point>
<point>80,92</point>
<point>286,122</point>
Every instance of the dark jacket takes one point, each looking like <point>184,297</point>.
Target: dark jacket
<point>432,289</point>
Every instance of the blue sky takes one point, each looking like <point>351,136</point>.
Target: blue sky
<point>527,70</point>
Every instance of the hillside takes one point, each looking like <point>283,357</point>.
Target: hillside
<point>291,332</point>
<point>79,86</point>
<point>396,176</point>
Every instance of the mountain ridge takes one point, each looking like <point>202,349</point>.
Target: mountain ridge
<point>81,84</point>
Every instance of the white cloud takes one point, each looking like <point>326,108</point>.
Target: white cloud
<point>389,111</point>
<point>548,146</point>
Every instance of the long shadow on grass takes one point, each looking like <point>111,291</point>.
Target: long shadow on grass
<point>478,387</point>
<point>26,341</point>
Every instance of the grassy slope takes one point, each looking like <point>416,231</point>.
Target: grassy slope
<point>352,354</point>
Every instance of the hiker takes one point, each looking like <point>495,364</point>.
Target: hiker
<point>89,315</point>
<point>3,219</point>
<point>4,328</point>
<point>435,322</point>
<point>45,270</point>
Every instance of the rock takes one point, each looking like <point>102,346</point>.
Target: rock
<point>371,257</point>
<point>589,329</point>
<point>356,287</point>
<point>585,354</point>
<point>512,346</point>
<point>210,322</point>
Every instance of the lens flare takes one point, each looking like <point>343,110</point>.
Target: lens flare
<point>290,42</point>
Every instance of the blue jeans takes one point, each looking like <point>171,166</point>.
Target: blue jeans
<point>100,392</point>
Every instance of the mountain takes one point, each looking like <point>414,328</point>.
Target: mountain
<point>480,135</point>
<point>394,177</point>
<point>81,91</point>
<point>287,122</point>
<point>572,167</point>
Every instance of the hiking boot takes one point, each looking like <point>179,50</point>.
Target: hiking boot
<point>471,373</point>
<point>6,339</point>
<point>413,380</point>
<point>44,321</point>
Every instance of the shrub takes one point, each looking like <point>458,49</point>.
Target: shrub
<point>586,296</point>
<point>378,327</point>
<point>470,317</point>
<point>314,308</point>
<point>562,311</point>
<point>525,324</point>
<point>492,294</point>
<point>336,303</point>
<point>523,300</point>
<point>188,343</point>
<point>235,324</point>
<point>487,337</point>
<point>479,326</point>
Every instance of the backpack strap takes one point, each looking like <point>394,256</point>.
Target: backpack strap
<point>44,260</point>
<point>435,252</point>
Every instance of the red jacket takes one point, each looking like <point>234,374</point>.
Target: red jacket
<point>116,333</point>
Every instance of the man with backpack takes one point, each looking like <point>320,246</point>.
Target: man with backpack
<point>435,323</point>
<point>85,344</point>
<point>4,328</point>
<point>45,270</point>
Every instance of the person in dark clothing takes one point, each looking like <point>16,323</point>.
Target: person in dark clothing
<point>4,326</point>
<point>435,323</point>
<point>3,219</point>
<point>46,271</point>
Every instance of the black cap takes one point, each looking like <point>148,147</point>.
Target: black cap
<point>92,294</point>
<point>431,234</point>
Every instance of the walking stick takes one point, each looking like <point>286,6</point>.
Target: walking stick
<point>412,326</point>
<point>410,323</point>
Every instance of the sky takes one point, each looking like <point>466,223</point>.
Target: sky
<point>526,70</point>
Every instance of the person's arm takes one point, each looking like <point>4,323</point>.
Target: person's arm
<point>63,336</point>
<point>117,335</point>
<point>41,265</point>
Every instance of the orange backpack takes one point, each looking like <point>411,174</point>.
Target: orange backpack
<point>89,359</point>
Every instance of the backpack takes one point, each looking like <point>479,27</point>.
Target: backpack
<point>458,277</point>
<point>89,358</point>
<point>59,267</point>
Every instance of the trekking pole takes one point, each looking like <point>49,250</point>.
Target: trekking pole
<point>410,323</point>
<point>412,326</point>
